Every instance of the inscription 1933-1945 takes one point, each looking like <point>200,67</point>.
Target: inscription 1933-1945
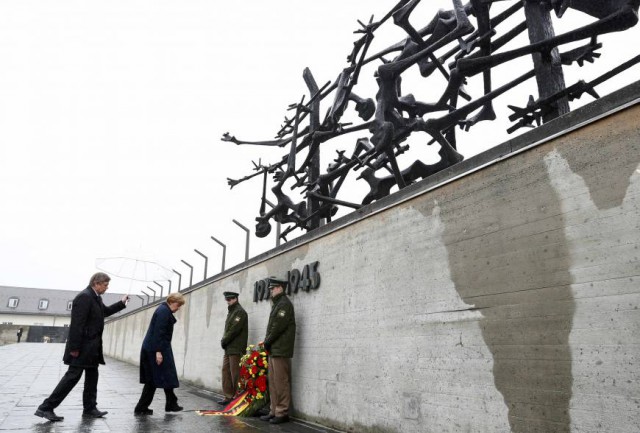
<point>308,279</point>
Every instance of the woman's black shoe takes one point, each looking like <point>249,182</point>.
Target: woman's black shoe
<point>174,408</point>
<point>143,412</point>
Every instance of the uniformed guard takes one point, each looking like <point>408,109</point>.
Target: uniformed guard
<point>279,341</point>
<point>234,343</point>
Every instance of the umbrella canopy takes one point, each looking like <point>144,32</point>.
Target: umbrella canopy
<point>133,269</point>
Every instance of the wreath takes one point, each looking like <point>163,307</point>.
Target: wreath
<point>252,391</point>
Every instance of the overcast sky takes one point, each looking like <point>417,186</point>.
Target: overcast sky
<point>111,114</point>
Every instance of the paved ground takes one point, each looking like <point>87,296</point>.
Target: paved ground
<point>30,371</point>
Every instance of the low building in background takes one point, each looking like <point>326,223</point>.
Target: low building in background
<point>44,314</point>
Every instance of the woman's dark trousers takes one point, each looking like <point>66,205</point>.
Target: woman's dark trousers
<point>147,397</point>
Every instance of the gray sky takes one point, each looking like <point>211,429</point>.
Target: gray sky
<point>111,114</point>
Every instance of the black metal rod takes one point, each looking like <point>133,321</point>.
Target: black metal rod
<point>168,293</point>
<point>314,159</point>
<point>335,201</point>
<point>246,249</point>
<point>224,251</point>
<point>190,274</point>
<point>179,279</point>
<point>206,261</point>
<point>141,298</point>
<point>615,71</point>
<point>278,227</point>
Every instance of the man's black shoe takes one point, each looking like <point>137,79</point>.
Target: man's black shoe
<point>174,408</point>
<point>48,414</point>
<point>143,412</point>
<point>224,402</point>
<point>279,419</point>
<point>94,413</point>
<point>267,417</point>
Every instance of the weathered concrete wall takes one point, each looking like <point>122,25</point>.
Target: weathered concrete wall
<point>505,300</point>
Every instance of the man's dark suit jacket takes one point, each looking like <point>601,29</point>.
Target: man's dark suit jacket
<point>85,331</point>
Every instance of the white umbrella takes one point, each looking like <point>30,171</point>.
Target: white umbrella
<point>133,269</point>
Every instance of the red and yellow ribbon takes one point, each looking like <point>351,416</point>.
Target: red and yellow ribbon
<point>234,408</point>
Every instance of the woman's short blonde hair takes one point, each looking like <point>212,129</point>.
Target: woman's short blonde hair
<point>176,297</point>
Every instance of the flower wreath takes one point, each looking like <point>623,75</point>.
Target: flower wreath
<point>252,392</point>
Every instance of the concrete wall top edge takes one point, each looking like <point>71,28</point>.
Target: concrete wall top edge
<point>607,105</point>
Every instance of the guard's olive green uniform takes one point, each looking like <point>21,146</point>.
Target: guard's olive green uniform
<point>236,331</point>
<point>234,343</point>
<point>281,336</point>
<point>281,330</point>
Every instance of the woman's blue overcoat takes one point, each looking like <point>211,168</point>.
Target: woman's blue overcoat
<point>158,339</point>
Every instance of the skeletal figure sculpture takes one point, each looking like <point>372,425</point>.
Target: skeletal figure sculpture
<point>390,118</point>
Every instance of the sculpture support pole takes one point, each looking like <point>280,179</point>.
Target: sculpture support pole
<point>278,225</point>
<point>314,161</point>
<point>549,74</point>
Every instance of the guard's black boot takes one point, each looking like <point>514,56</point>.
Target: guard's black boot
<point>279,419</point>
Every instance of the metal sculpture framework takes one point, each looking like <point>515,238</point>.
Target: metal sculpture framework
<point>393,116</point>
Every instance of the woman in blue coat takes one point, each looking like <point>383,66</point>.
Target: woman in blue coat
<point>157,366</point>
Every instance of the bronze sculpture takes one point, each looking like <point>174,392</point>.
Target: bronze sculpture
<point>392,116</point>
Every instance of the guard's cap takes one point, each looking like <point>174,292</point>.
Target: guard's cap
<point>273,282</point>
<point>230,295</point>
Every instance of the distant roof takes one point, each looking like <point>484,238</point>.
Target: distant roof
<point>29,299</point>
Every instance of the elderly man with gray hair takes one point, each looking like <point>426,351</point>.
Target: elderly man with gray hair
<point>83,352</point>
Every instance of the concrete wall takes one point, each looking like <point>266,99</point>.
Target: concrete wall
<point>504,300</point>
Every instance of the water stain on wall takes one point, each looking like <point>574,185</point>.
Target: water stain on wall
<point>613,156</point>
<point>209,304</point>
<point>509,257</point>
<point>238,282</point>
<point>185,317</point>
<point>279,266</point>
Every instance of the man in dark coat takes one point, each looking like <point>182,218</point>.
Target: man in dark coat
<point>234,343</point>
<point>83,351</point>
<point>279,341</point>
